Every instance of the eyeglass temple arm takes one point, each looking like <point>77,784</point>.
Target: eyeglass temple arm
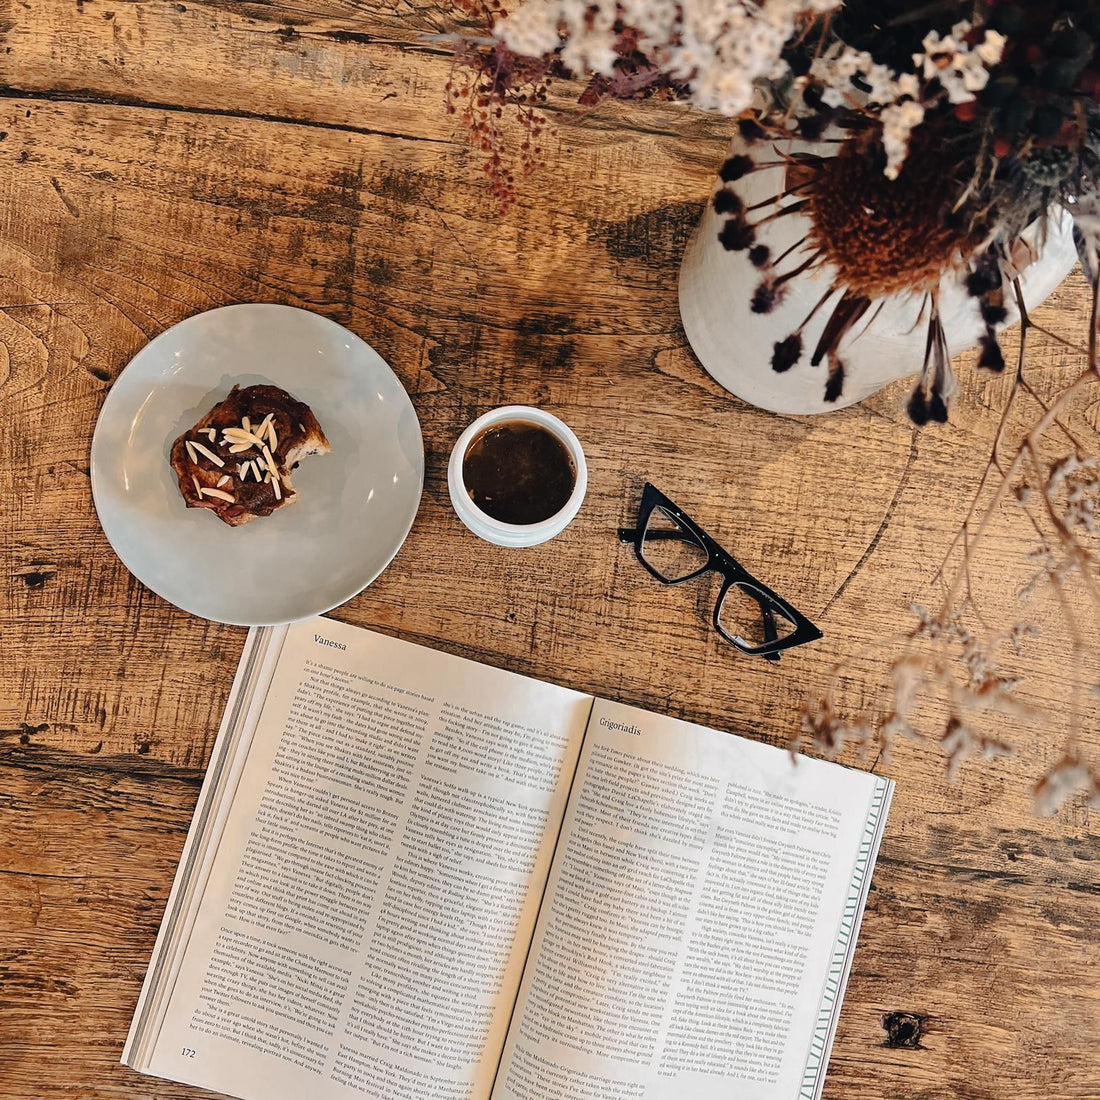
<point>630,534</point>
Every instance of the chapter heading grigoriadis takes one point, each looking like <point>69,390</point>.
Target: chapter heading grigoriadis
<point>622,727</point>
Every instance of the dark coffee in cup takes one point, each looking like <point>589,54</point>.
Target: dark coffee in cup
<point>518,472</point>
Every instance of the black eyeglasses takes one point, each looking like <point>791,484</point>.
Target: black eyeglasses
<point>748,614</point>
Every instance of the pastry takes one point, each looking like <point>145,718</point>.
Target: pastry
<point>237,459</point>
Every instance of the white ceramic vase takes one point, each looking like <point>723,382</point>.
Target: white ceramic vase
<point>735,345</point>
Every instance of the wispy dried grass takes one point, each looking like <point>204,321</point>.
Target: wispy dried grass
<point>950,662</point>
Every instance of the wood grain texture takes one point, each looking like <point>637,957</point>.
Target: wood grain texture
<point>161,158</point>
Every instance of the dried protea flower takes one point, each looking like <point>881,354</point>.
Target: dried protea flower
<point>878,237</point>
<point>735,167</point>
<point>760,255</point>
<point>737,234</point>
<point>726,201</point>
<point>886,236</point>
<point>834,384</point>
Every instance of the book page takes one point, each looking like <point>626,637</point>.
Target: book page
<point>698,919</point>
<point>259,659</point>
<point>364,926</point>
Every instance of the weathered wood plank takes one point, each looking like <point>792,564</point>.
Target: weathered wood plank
<point>335,63</point>
<point>83,889</point>
<point>175,157</point>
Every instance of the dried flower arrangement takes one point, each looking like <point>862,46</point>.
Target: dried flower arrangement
<point>949,128</point>
<point>998,103</point>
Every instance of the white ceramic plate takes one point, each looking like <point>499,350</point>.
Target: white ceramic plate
<point>355,505</point>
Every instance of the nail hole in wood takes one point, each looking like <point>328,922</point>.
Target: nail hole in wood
<point>903,1029</point>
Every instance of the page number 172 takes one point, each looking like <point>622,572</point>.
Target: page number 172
<point>187,1052</point>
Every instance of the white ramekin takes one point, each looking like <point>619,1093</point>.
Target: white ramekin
<point>515,534</point>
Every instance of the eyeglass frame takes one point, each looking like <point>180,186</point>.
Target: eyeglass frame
<point>721,561</point>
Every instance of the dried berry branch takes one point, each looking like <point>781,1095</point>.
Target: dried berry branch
<point>488,81</point>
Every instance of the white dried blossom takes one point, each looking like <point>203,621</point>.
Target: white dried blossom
<point>961,69</point>
<point>898,123</point>
<point>907,675</point>
<point>907,84</point>
<point>845,64</point>
<point>882,85</point>
<point>1051,570</point>
<point>827,733</point>
<point>1080,510</point>
<point>991,48</point>
<point>1069,777</point>
<point>533,31</point>
<point>927,624</point>
<point>1079,480</point>
<point>961,741</point>
<point>1020,631</point>
<point>594,52</point>
<point>879,84</point>
<point>898,94</point>
<point>1065,468</point>
<point>719,48</point>
<point>655,19</point>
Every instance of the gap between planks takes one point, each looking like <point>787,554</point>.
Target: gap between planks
<point>86,96</point>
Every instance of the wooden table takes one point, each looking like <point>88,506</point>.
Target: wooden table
<point>161,158</point>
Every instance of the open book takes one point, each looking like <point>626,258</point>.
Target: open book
<point>412,876</point>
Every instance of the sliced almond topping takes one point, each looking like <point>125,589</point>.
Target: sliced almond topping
<point>225,479</point>
<point>211,433</point>
<point>268,459</point>
<point>236,448</point>
<point>220,494</point>
<point>198,487</point>
<point>191,451</point>
<point>255,466</point>
<point>209,454</point>
<point>262,429</point>
<point>275,486</point>
<point>239,435</point>
<point>242,470</point>
<point>246,423</point>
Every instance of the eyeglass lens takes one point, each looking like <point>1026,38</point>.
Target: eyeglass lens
<point>669,549</point>
<point>743,615</point>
